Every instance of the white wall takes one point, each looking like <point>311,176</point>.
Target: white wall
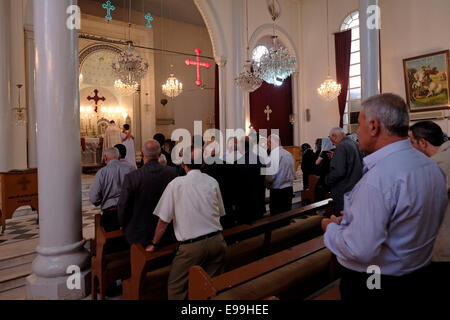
<point>193,104</point>
<point>411,28</point>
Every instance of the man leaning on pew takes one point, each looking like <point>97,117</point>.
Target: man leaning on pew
<point>195,203</point>
<point>392,216</point>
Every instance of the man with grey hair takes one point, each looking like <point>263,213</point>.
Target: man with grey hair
<point>107,186</point>
<point>345,167</point>
<point>393,214</point>
<point>141,192</point>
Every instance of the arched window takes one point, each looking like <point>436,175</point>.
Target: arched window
<point>354,89</point>
<point>258,52</point>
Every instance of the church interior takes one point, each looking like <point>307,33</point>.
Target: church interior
<point>69,68</point>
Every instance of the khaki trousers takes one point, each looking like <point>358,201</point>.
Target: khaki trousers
<point>208,253</point>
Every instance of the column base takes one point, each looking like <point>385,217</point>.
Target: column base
<point>39,288</point>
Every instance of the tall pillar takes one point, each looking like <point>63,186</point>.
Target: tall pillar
<point>370,48</point>
<point>296,108</point>
<point>61,246</point>
<point>222,62</point>
<point>5,107</point>
<point>31,107</point>
<point>137,120</point>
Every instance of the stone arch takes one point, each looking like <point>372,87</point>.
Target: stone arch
<point>267,30</point>
<point>215,31</point>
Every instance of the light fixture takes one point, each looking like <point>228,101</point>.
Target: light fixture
<point>81,78</point>
<point>20,115</point>
<point>247,80</point>
<point>172,88</point>
<point>329,89</point>
<point>130,68</point>
<point>277,64</point>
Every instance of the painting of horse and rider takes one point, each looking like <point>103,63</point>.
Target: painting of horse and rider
<point>427,81</point>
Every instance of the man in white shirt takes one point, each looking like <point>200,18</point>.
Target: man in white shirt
<point>282,182</point>
<point>194,203</point>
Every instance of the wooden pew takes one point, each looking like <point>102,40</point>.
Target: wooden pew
<point>202,287</point>
<point>107,267</point>
<point>142,262</point>
<point>308,194</point>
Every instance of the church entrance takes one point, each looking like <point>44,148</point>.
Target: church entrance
<point>271,108</point>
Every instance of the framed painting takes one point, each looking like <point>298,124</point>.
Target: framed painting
<point>427,81</point>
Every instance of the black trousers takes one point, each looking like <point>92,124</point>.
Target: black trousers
<point>413,286</point>
<point>281,200</point>
<point>110,222</point>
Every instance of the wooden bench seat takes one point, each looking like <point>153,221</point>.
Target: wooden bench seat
<point>292,273</point>
<point>143,262</point>
<point>107,267</point>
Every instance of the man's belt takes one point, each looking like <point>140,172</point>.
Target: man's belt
<point>201,238</point>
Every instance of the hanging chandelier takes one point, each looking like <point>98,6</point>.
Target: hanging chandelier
<point>172,88</point>
<point>276,65</point>
<point>329,89</point>
<point>130,70</point>
<point>20,113</point>
<point>125,90</point>
<point>247,80</point>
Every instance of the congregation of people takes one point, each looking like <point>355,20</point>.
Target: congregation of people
<point>389,184</point>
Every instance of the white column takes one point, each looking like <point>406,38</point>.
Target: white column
<point>137,120</point>
<point>370,48</point>
<point>222,62</point>
<point>59,160</point>
<point>296,108</point>
<point>31,114</point>
<point>5,107</point>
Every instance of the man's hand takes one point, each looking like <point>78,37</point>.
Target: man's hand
<point>150,248</point>
<point>333,219</point>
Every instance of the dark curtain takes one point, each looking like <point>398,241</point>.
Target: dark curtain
<point>343,44</point>
<point>216,99</point>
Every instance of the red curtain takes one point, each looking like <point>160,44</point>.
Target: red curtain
<point>343,44</point>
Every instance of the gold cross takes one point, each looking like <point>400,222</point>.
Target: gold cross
<point>268,111</point>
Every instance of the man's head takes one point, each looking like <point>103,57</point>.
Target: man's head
<point>160,138</point>
<point>336,135</point>
<point>112,122</point>
<point>383,120</point>
<point>122,150</point>
<point>111,154</point>
<point>306,147</point>
<point>126,127</point>
<point>192,159</point>
<point>151,151</point>
<point>427,137</point>
<point>273,142</point>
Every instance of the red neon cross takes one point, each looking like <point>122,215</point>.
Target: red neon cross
<point>199,64</point>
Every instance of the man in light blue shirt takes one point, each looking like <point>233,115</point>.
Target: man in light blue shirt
<point>392,216</point>
<point>281,182</point>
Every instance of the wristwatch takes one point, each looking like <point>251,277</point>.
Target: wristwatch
<point>155,244</point>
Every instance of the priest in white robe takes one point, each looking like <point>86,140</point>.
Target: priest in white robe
<point>111,137</point>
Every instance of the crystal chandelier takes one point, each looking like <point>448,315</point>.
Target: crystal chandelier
<point>130,70</point>
<point>173,88</point>
<point>20,115</point>
<point>125,90</point>
<point>247,80</point>
<point>329,89</point>
<point>276,65</point>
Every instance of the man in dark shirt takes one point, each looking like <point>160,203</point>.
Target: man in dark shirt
<point>140,194</point>
<point>345,168</point>
<point>162,141</point>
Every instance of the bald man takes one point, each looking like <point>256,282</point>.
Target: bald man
<point>140,194</point>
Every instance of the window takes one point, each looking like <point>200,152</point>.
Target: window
<point>351,22</point>
<point>258,52</point>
